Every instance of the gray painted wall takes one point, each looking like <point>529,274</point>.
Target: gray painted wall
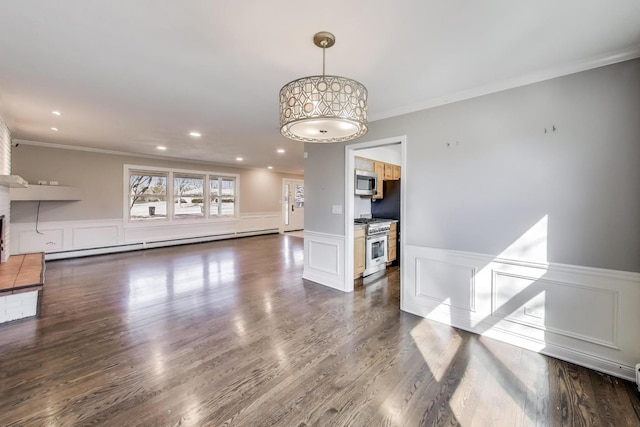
<point>501,173</point>
<point>100,177</point>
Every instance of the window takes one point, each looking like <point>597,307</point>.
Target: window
<point>188,196</point>
<point>222,196</point>
<point>298,196</point>
<point>147,195</point>
<point>156,194</point>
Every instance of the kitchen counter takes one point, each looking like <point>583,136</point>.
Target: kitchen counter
<point>372,220</point>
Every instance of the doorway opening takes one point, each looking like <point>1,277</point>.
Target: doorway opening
<point>292,205</point>
<point>353,203</point>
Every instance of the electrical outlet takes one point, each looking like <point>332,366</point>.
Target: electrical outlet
<point>336,209</point>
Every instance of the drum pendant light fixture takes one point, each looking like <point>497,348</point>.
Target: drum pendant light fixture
<point>323,108</point>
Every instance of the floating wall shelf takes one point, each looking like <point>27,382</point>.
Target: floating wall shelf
<point>45,192</point>
<point>13,181</point>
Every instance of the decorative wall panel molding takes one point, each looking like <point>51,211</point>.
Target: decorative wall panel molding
<point>66,239</point>
<point>446,283</point>
<point>324,259</point>
<point>584,315</point>
<point>557,307</point>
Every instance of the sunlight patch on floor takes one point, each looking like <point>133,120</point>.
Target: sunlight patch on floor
<point>434,342</point>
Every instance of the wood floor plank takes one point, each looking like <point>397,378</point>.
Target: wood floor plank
<point>229,334</point>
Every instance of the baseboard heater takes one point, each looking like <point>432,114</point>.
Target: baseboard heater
<point>128,247</point>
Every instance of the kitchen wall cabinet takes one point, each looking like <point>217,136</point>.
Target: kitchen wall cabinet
<point>364,164</point>
<point>378,168</point>
<point>359,249</point>
<point>392,243</point>
<point>388,172</point>
<point>396,172</point>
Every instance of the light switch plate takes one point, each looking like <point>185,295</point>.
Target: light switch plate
<point>336,209</point>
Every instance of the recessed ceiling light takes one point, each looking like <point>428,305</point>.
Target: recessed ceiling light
<point>55,129</point>
<point>195,134</point>
<point>161,147</point>
<point>56,113</point>
<point>269,167</point>
<point>239,159</point>
<point>280,150</point>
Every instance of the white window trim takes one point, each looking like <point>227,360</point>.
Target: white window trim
<point>128,223</point>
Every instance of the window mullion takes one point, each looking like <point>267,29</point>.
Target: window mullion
<point>170,197</point>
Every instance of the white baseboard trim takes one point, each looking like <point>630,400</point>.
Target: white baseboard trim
<point>78,253</point>
<point>324,259</point>
<point>587,316</point>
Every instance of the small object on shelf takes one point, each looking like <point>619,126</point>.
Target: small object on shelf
<point>42,182</point>
<point>53,182</point>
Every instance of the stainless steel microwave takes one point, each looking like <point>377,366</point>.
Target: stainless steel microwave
<point>366,183</point>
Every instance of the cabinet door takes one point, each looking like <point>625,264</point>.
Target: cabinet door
<point>364,164</point>
<point>392,251</point>
<point>378,168</point>
<point>392,243</point>
<point>358,256</point>
<point>388,172</point>
<point>396,172</point>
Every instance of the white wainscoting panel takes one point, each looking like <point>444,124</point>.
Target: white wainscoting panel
<point>576,311</point>
<point>64,239</point>
<point>324,259</point>
<point>584,315</point>
<point>43,240</point>
<point>86,237</point>
<point>446,283</point>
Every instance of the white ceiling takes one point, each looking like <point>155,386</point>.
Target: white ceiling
<point>131,75</point>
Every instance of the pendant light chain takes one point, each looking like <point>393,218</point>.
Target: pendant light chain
<point>324,48</point>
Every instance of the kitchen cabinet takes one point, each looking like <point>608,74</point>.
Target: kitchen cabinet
<point>364,164</point>
<point>378,168</point>
<point>359,249</point>
<point>388,172</point>
<point>392,243</point>
<point>396,172</point>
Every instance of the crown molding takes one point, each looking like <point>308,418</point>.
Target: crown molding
<point>610,58</point>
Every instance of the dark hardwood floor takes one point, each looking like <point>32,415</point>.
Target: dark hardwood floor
<point>228,334</point>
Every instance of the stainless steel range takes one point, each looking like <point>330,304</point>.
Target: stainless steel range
<point>377,233</point>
